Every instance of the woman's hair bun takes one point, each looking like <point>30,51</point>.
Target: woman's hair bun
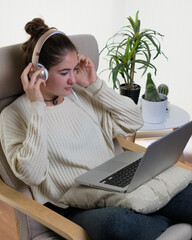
<point>36,27</point>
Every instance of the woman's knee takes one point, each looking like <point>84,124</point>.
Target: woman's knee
<point>124,223</point>
<point>117,223</point>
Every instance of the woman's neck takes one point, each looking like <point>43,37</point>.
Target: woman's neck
<point>54,101</point>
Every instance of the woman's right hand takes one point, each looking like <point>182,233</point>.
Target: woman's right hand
<point>32,86</point>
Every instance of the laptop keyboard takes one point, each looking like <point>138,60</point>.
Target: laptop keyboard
<point>122,177</point>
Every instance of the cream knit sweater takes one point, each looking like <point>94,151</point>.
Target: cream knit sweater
<point>47,147</point>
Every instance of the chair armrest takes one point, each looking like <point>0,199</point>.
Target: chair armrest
<point>42,214</point>
<point>126,144</point>
<point>184,165</point>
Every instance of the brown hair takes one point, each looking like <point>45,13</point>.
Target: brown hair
<point>53,50</point>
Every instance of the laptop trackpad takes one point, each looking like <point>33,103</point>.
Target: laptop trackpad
<point>120,161</point>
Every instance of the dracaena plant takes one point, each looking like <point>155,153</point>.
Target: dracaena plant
<point>132,49</point>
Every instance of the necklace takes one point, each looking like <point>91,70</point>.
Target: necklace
<point>54,100</point>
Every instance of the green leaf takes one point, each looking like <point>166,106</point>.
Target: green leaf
<point>137,22</point>
<point>132,23</point>
<point>131,50</point>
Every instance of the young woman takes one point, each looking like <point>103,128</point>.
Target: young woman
<point>50,137</point>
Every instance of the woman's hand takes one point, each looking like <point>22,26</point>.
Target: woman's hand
<point>86,74</point>
<point>32,86</point>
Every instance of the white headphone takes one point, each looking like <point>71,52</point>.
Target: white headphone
<point>37,49</point>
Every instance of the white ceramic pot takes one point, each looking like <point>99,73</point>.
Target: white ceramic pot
<point>154,112</point>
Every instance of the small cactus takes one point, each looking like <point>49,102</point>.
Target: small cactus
<point>163,88</point>
<point>151,92</point>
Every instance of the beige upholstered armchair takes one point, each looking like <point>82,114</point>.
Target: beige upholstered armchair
<point>35,221</point>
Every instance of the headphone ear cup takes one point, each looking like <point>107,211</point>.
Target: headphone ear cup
<point>44,74</point>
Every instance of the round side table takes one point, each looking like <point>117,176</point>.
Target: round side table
<point>174,118</point>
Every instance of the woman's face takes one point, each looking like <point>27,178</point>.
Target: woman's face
<point>62,77</point>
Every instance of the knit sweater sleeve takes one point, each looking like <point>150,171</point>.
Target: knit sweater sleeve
<point>24,141</point>
<point>124,114</point>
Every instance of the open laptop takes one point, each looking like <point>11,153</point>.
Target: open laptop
<point>159,156</point>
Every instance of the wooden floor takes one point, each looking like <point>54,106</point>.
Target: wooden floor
<point>8,229</point>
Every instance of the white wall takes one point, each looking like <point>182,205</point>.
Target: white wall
<point>103,18</point>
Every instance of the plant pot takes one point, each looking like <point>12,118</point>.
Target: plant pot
<point>133,94</point>
<point>154,112</point>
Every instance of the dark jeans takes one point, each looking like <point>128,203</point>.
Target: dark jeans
<point>117,223</point>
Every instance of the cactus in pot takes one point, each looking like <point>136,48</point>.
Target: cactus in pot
<point>154,104</point>
<point>163,88</point>
<point>151,92</point>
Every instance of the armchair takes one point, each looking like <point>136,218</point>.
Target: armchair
<point>35,221</point>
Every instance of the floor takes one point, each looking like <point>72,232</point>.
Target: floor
<point>8,229</point>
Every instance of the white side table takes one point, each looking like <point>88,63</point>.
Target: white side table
<point>174,118</point>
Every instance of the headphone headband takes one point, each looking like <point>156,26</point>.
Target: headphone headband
<point>39,45</point>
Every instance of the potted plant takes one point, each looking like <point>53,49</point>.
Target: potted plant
<point>154,103</point>
<point>128,48</point>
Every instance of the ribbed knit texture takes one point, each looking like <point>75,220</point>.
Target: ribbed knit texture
<point>47,147</point>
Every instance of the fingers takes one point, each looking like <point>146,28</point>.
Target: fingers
<point>84,60</point>
<point>34,77</point>
<point>24,75</point>
<point>86,72</point>
<point>32,86</point>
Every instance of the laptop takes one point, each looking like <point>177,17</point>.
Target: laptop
<point>159,156</point>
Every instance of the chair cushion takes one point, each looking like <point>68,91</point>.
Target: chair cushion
<point>147,198</point>
<point>181,231</point>
<point>49,235</point>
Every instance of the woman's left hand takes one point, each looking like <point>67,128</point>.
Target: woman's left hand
<point>86,74</point>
